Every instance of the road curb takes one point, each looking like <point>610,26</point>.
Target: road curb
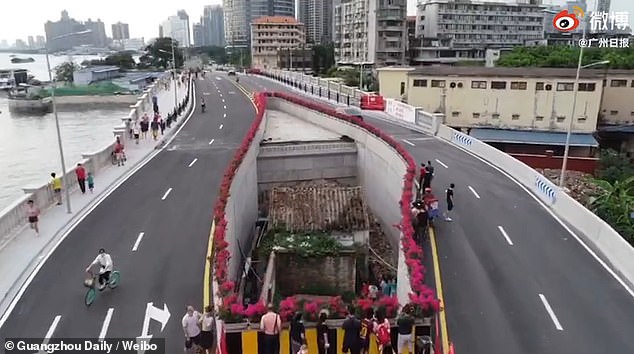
<point>10,295</point>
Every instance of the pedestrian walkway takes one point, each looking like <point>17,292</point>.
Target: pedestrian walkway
<point>22,251</point>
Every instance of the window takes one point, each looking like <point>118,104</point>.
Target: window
<point>588,86</point>
<point>455,114</point>
<point>438,83</point>
<point>560,119</point>
<point>618,83</point>
<point>402,88</point>
<point>498,85</point>
<point>581,119</point>
<point>478,84</point>
<point>565,86</point>
<point>477,115</point>
<point>539,118</point>
<point>630,86</point>
<point>518,85</point>
<point>420,83</point>
<point>539,86</point>
<point>632,113</point>
<point>515,117</point>
<point>495,115</point>
<point>613,113</point>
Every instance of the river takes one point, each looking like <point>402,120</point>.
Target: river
<point>28,144</point>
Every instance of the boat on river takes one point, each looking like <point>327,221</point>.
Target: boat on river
<point>28,99</point>
<point>17,60</point>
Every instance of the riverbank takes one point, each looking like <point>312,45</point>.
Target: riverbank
<point>95,102</point>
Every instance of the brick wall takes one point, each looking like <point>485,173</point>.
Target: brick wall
<point>581,164</point>
<point>299,275</point>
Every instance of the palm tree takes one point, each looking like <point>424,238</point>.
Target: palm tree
<point>615,205</point>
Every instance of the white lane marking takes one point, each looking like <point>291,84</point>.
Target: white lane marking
<point>221,125</point>
<point>206,94</point>
<point>221,95</point>
<point>232,92</point>
<point>51,329</point>
<point>551,313</point>
<point>106,324</point>
<point>225,107</point>
<point>223,100</point>
<point>474,192</point>
<point>138,241</point>
<point>166,194</point>
<point>441,163</point>
<point>193,162</point>
<point>92,207</point>
<point>212,141</point>
<point>224,115</point>
<point>217,78</point>
<point>201,79</point>
<point>506,236</point>
<point>408,142</point>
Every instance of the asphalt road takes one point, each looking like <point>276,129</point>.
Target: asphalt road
<point>167,268</point>
<point>515,281</point>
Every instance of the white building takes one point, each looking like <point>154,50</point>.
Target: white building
<point>371,31</point>
<point>273,35</point>
<point>177,27</point>
<point>455,30</point>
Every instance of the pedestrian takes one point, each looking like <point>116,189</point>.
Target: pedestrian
<point>430,172</point>
<point>80,172</point>
<point>145,125</point>
<point>297,333</point>
<point>192,331</point>
<point>33,214</point>
<point>323,342</point>
<point>421,179</point>
<point>405,323</point>
<point>128,127</point>
<point>271,325</point>
<point>351,326</point>
<point>383,336</point>
<point>427,174</point>
<point>91,182</point>
<point>162,124</point>
<point>449,195</point>
<point>56,185</point>
<point>119,152</point>
<point>208,331</point>
<point>365,331</point>
<point>137,133</point>
<point>155,129</point>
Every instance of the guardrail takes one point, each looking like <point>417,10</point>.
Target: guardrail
<point>13,217</point>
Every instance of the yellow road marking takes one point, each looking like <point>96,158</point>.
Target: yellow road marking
<point>207,279</point>
<point>443,319</point>
<point>246,93</point>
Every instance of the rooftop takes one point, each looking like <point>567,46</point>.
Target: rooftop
<point>458,71</point>
<point>275,20</point>
<point>318,208</point>
<point>283,127</point>
<point>98,69</point>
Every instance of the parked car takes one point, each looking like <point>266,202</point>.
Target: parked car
<point>231,73</point>
<point>351,111</point>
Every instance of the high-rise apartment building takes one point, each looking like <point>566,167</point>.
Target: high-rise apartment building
<point>316,15</point>
<point>603,6</point>
<point>120,31</point>
<point>197,30</point>
<point>68,33</point>
<point>213,26</point>
<point>455,30</point>
<point>371,31</point>
<point>273,35</point>
<point>31,42</point>
<point>177,27</point>
<point>238,15</point>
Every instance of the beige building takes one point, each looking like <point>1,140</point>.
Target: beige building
<point>272,35</point>
<point>518,99</point>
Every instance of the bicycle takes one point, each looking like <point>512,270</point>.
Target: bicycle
<point>92,284</point>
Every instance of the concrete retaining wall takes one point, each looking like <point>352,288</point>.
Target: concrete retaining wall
<point>242,207</point>
<point>380,168</point>
<point>13,218</point>
<point>280,164</point>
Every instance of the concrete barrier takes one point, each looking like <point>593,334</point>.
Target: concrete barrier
<point>400,111</point>
<point>608,244</point>
<point>13,217</point>
<point>381,171</point>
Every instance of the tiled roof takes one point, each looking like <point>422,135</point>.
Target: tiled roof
<point>318,208</point>
<point>275,19</point>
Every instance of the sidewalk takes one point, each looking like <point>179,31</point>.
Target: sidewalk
<point>22,252</point>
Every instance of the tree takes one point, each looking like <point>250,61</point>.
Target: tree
<point>615,205</point>
<point>218,54</point>
<point>159,54</point>
<point>323,57</point>
<point>64,71</point>
<point>566,57</point>
<point>614,166</point>
<point>122,59</point>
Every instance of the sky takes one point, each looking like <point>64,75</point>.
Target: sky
<point>26,18</point>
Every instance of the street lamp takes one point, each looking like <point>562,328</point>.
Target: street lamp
<point>173,70</point>
<point>59,133</point>
<point>564,164</point>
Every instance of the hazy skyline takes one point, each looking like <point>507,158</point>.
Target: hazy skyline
<point>27,18</point>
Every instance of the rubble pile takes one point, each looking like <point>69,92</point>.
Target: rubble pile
<point>578,184</point>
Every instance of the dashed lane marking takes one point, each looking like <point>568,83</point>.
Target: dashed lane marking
<point>551,313</point>
<point>212,141</point>
<point>442,164</point>
<point>193,162</point>
<point>166,194</point>
<point>506,236</point>
<point>138,241</point>
<point>106,324</point>
<point>221,125</point>
<point>474,192</point>
<point>408,142</point>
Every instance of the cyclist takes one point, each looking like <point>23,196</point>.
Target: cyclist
<point>237,78</point>
<point>104,261</point>
<point>203,105</point>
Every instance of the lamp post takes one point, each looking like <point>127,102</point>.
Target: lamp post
<point>173,71</point>
<point>574,106</point>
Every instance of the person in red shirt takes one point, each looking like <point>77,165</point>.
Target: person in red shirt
<point>118,151</point>
<point>80,172</point>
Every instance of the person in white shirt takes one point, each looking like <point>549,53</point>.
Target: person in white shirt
<point>105,267</point>
<point>192,331</point>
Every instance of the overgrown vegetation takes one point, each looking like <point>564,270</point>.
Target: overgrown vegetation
<point>64,71</point>
<point>307,244</point>
<point>566,57</point>
<point>615,201</point>
<point>350,77</point>
<point>158,54</point>
<point>123,60</point>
